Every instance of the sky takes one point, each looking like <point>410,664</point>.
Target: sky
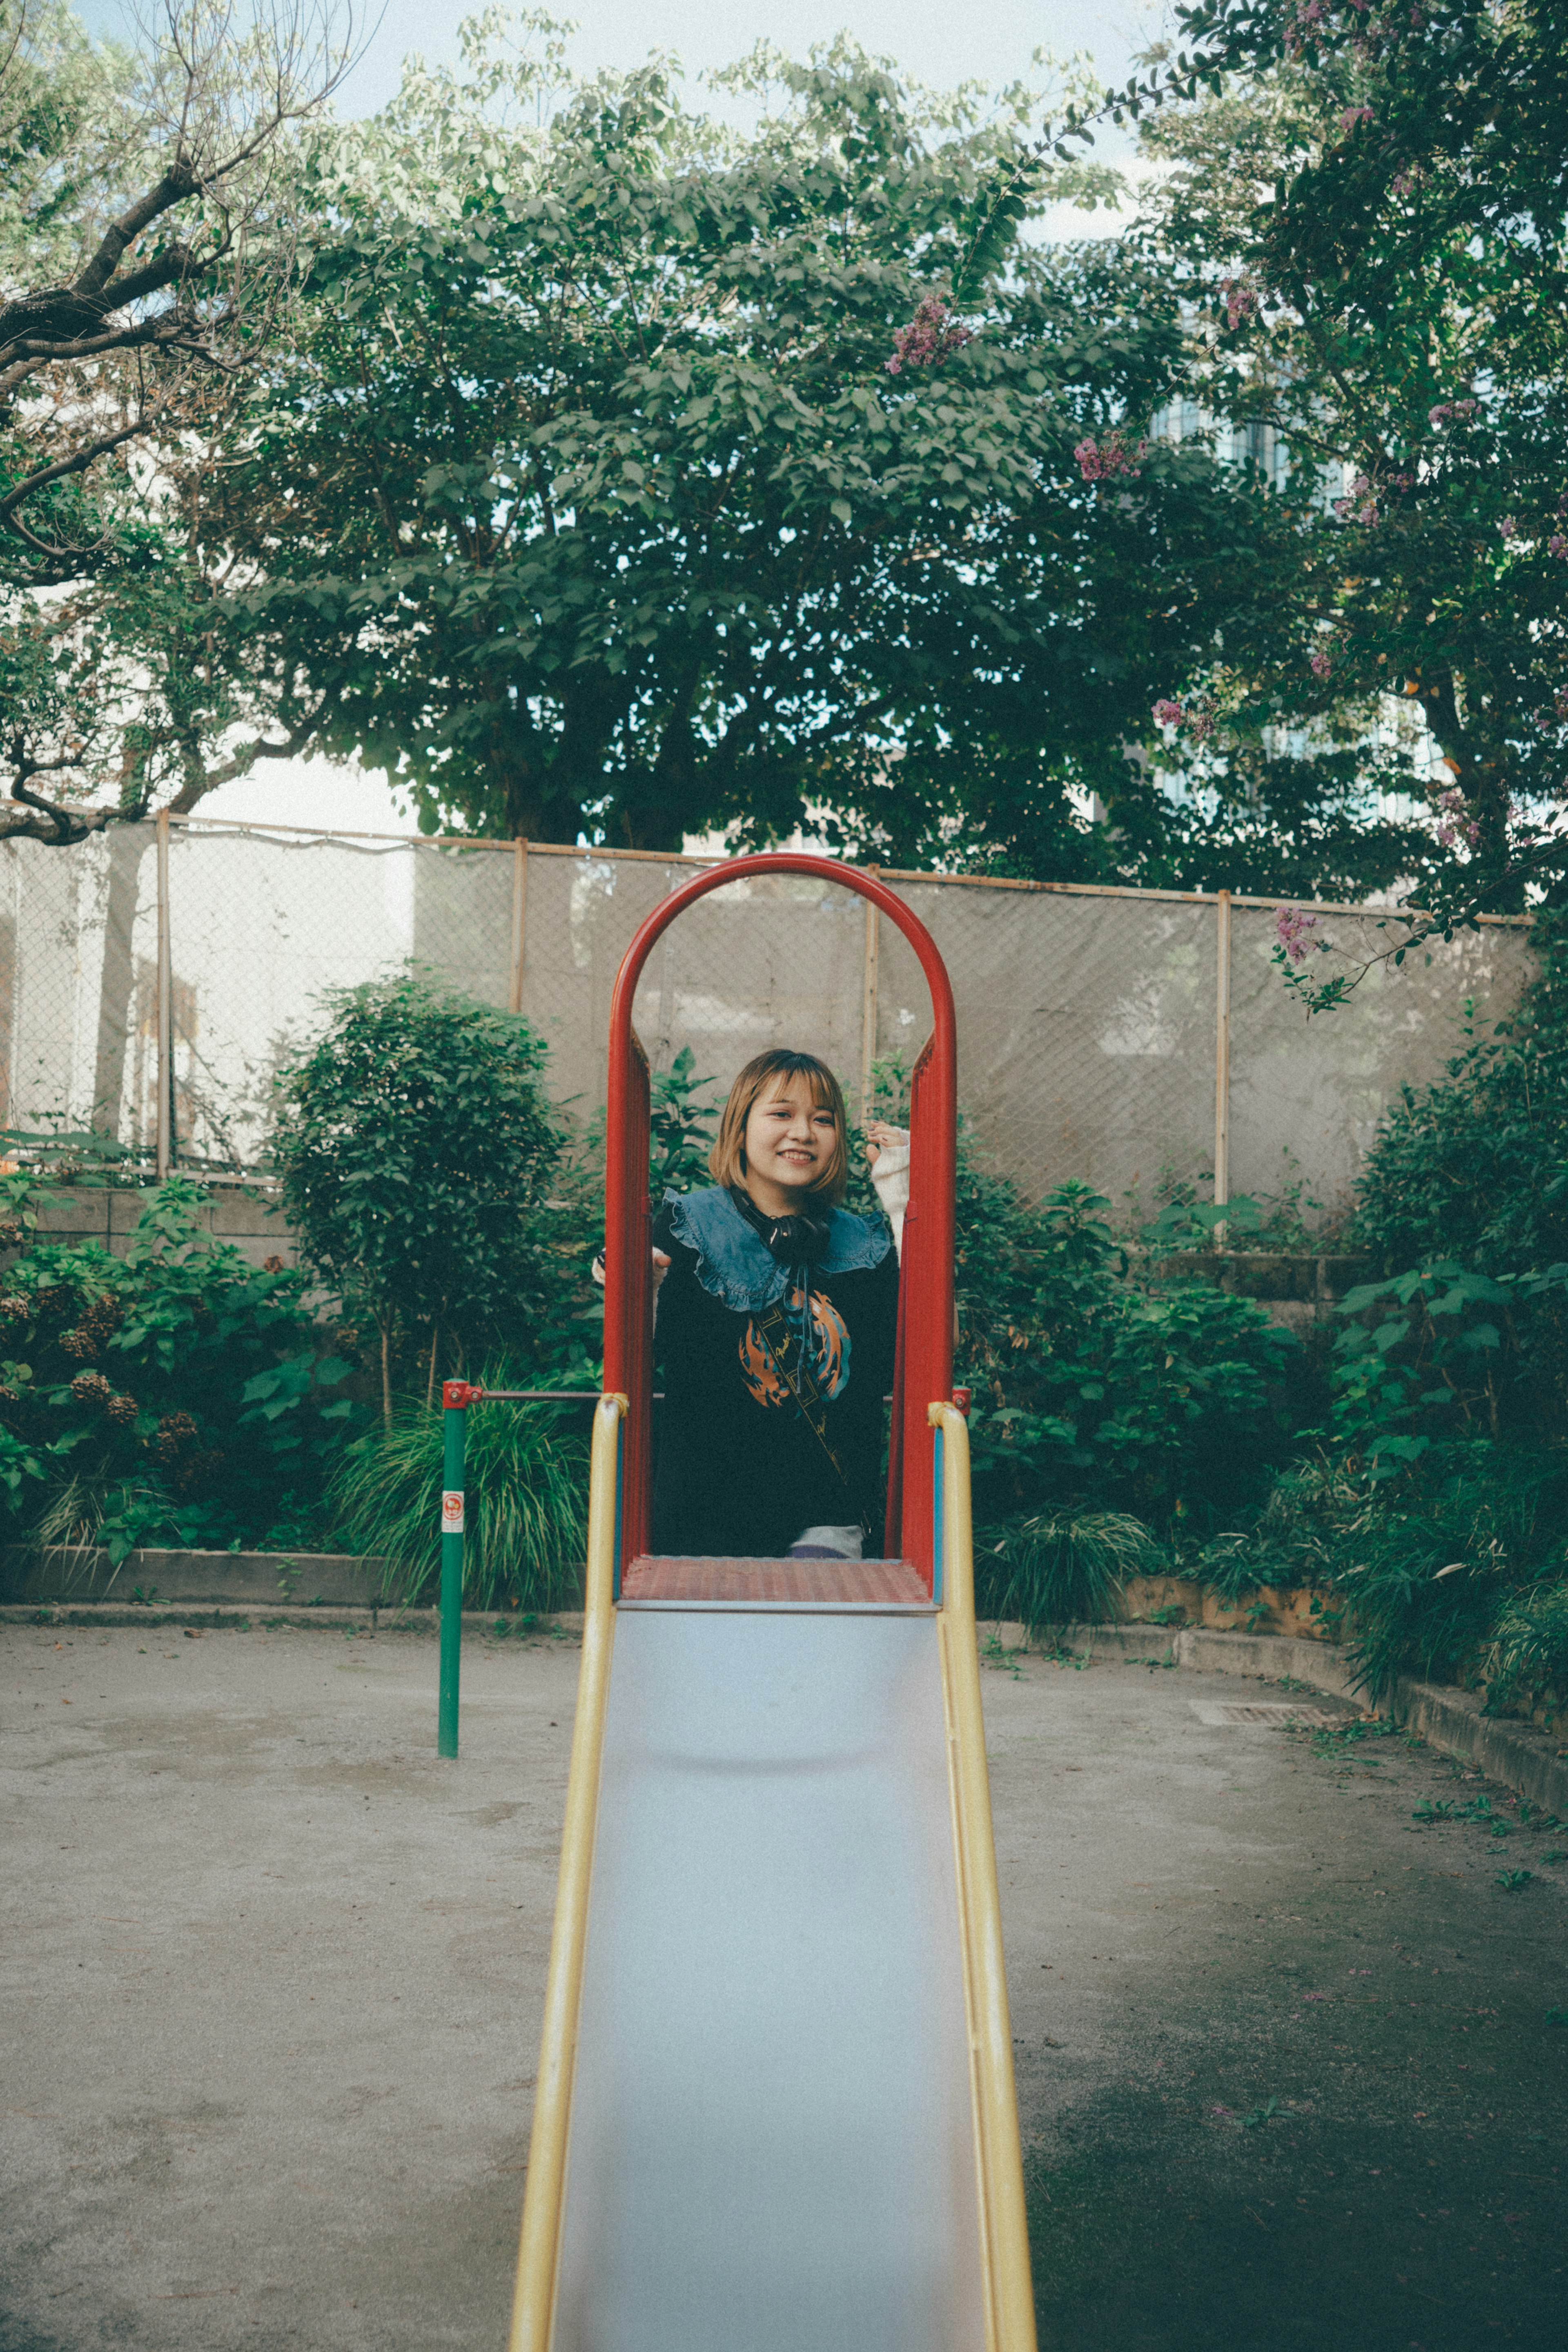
<point>935,40</point>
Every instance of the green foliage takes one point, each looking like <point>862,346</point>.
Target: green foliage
<point>681,1129</point>
<point>147,223</point>
<point>1360,322</point>
<point>526,1478</point>
<point>1160,1399</point>
<point>1473,1166</point>
<point>1437,1518</point>
<point>1092,1391</point>
<point>174,1394</point>
<point>1367,219</point>
<point>1420,1569</point>
<point>1064,1569</point>
<point>1528,1652</point>
<point>1463,1197</point>
<point>1428,1345</point>
<point>686,552</point>
<point>417,1154</point>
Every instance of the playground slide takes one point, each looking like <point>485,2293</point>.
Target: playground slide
<point>775,2105</point>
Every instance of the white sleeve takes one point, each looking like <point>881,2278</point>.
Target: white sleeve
<point>891,1178</point>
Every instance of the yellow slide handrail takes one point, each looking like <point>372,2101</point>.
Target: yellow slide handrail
<point>998,2158</point>
<point>544,2198</point>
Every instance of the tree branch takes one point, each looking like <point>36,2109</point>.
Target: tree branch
<point>241,762</point>
<point>76,464</point>
<point>176,184</point>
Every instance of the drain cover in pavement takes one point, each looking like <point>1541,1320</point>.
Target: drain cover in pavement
<point>1259,1710</point>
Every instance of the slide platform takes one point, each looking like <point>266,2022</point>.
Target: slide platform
<point>775,2107</point>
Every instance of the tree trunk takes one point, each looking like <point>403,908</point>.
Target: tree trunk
<point>128,845</point>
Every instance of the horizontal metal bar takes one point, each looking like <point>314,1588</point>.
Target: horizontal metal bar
<point>548,1396</point>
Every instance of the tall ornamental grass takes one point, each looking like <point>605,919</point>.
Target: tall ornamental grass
<point>1065,1568</point>
<point>526,1484</point>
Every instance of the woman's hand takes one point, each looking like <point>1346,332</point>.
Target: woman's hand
<point>661,1268</point>
<point>879,1136</point>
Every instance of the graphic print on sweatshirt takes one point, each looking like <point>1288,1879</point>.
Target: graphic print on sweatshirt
<point>830,1353</point>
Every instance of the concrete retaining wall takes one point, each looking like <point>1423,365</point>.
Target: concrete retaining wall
<point>224,1579</point>
<point>83,1212</point>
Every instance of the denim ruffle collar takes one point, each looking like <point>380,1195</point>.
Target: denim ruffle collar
<point>734,1265</point>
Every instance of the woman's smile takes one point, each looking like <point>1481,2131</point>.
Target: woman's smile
<point>787,1136</point>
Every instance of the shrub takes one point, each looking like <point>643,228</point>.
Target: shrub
<point>1422,1568</point>
<point>418,1156</point>
<point>177,1394</point>
<point>525,1481</point>
<point>1436,1513</point>
<point>1094,1392</point>
<point>1056,1569</point>
<point>1529,1650</point>
<point>1472,1167</point>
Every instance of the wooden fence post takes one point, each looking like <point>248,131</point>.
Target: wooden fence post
<point>164,1018</point>
<point>1222,1062</point>
<point>868,1007</point>
<point>520,923</point>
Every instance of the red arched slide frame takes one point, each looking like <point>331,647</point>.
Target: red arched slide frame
<point>925,1361</point>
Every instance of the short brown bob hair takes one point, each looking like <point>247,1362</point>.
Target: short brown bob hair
<point>727,1161</point>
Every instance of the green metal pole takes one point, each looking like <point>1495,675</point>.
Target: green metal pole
<point>455,1396</point>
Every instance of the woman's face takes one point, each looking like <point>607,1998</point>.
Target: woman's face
<point>789,1137</point>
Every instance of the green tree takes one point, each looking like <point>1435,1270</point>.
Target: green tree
<point>1366,215</point>
<point>631,476</point>
<point>417,1154</point>
<point>147,257</point>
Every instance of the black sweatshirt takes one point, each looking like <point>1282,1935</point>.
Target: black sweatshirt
<point>738,1470</point>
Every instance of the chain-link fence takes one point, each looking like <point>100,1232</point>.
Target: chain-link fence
<point>151,981</point>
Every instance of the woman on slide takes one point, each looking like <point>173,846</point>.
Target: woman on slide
<point>776,1318</point>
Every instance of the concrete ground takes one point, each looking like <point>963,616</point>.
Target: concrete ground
<point>273,1977</point>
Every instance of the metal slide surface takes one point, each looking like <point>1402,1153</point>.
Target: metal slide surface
<point>772,2139</point>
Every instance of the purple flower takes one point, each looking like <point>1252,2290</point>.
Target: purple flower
<point>1291,925</point>
<point>1352,115</point>
<point>1167,714</point>
<point>932,336</point>
<point>1509,527</point>
<point>1457,824</point>
<point>1448,412</point>
<point>1101,461</point>
<point>1240,301</point>
<point>1557,545</point>
<point>1359,503</point>
<point>1322,662</point>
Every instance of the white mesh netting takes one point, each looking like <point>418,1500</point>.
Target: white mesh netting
<point>1087,1020</point>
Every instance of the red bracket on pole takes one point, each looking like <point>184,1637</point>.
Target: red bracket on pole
<point>456,1396</point>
